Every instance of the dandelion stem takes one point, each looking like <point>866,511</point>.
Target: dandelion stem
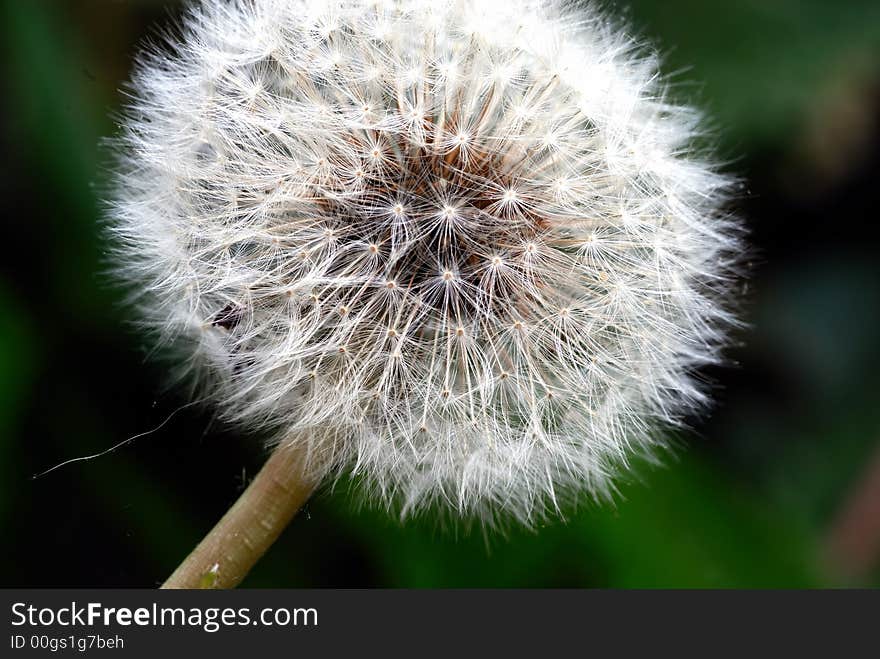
<point>247,530</point>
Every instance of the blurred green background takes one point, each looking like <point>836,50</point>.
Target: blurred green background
<point>779,486</point>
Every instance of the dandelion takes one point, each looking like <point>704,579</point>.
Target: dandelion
<point>467,251</point>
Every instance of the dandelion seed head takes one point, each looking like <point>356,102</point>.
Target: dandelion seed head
<point>467,250</point>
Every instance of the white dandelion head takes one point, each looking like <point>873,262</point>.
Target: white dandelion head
<point>467,251</point>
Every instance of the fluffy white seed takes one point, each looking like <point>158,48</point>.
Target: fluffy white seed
<point>464,249</point>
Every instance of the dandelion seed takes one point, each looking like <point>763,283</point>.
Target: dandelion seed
<point>474,253</point>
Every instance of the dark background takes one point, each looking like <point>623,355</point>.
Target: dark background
<point>779,486</point>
